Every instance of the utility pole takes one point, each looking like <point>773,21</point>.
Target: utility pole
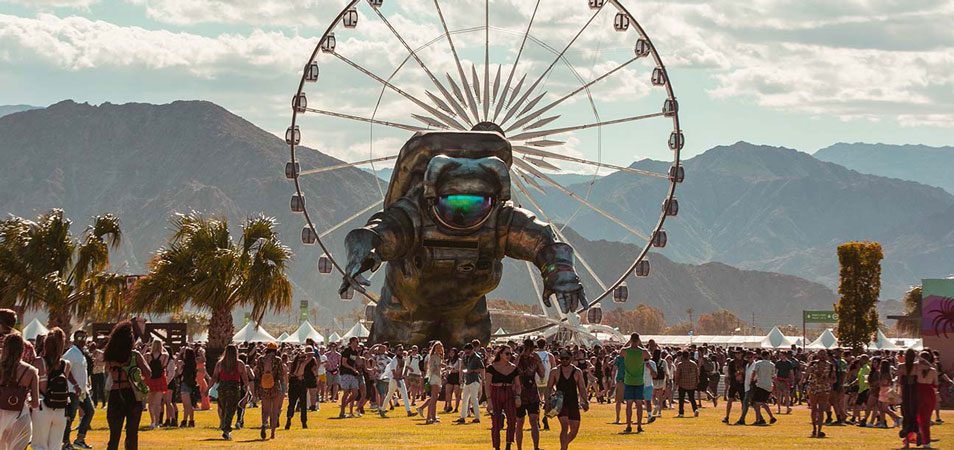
<point>692,325</point>
<point>753,323</point>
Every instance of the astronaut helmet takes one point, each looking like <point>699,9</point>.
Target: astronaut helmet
<point>462,193</point>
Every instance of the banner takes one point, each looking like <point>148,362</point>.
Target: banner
<point>819,316</point>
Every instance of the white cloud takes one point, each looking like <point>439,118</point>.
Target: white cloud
<point>77,43</point>
<point>44,4</point>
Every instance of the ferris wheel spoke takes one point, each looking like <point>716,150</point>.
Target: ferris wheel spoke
<point>354,216</point>
<point>473,69</point>
<point>536,290</point>
<point>472,103</point>
<point>486,58</point>
<point>542,133</point>
<point>513,108</point>
<point>513,69</point>
<point>530,181</point>
<point>369,120</point>
<point>497,83</point>
<point>541,123</point>
<point>455,88</point>
<point>524,119</point>
<point>449,121</point>
<point>547,154</point>
<point>586,265</point>
<point>437,83</point>
<point>546,179</point>
<point>347,165</point>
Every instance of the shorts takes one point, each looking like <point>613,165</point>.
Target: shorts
<point>415,381</point>
<point>348,382</point>
<point>531,408</point>
<point>862,398</point>
<point>760,395</point>
<point>157,384</point>
<point>736,391</point>
<point>648,392</point>
<point>659,384</point>
<point>434,381</point>
<point>453,379</point>
<point>322,378</point>
<point>332,378</point>
<point>631,392</point>
<point>382,387</point>
<point>184,388</point>
<point>571,412</point>
<point>311,383</point>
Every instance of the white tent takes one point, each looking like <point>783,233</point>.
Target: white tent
<point>882,342</point>
<point>303,333</point>
<point>201,337</point>
<point>775,339</point>
<point>335,337</point>
<point>251,332</point>
<point>827,340</point>
<point>34,329</point>
<point>358,331</point>
<point>500,331</point>
<point>282,337</point>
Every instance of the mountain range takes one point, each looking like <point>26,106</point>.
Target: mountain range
<point>762,209</point>
<point>10,109</point>
<point>928,165</point>
<point>779,210</point>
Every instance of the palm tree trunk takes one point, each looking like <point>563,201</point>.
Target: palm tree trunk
<point>60,318</point>
<point>221,329</point>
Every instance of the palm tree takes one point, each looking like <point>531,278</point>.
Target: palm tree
<point>202,266</point>
<point>42,266</point>
<point>910,324</point>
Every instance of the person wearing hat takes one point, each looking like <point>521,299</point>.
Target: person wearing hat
<point>269,379</point>
<point>568,379</point>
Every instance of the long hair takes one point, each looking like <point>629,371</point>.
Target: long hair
<point>12,352</point>
<point>885,369</point>
<point>229,359</point>
<point>53,350</point>
<point>435,346</point>
<point>500,350</point>
<point>156,345</point>
<point>120,344</point>
<point>188,360</point>
<point>910,355</point>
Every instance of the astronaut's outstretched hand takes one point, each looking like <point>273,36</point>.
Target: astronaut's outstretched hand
<point>361,258</point>
<point>565,285</point>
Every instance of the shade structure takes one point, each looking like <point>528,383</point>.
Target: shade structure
<point>282,337</point>
<point>775,339</point>
<point>500,331</point>
<point>304,332</point>
<point>358,331</point>
<point>335,337</point>
<point>827,340</point>
<point>719,340</point>
<point>201,337</point>
<point>34,329</point>
<point>251,332</point>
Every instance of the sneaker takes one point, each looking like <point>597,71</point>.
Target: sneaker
<point>342,416</point>
<point>696,413</point>
<point>227,436</point>
<point>773,420</point>
<point>628,430</point>
<point>740,422</point>
<point>475,421</point>
<point>382,414</point>
<point>679,415</point>
<point>411,413</point>
<point>80,443</point>
<point>67,446</point>
<point>725,420</point>
<point>460,421</point>
<point>639,429</point>
<point>821,434</point>
<point>651,419</point>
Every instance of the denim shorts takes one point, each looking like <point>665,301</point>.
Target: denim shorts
<point>348,382</point>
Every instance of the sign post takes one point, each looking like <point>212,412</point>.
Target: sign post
<point>816,317</point>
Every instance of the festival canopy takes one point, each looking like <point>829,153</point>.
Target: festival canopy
<point>775,339</point>
<point>882,342</point>
<point>827,340</point>
<point>303,333</point>
<point>500,331</point>
<point>251,332</point>
<point>282,337</point>
<point>34,329</point>
<point>201,337</point>
<point>335,337</point>
<point>358,331</point>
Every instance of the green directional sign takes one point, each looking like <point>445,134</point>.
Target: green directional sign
<point>820,316</point>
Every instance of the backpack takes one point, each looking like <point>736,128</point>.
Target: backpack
<point>660,370</point>
<point>267,380</point>
<point>57,394</point>
<point>134,375</point>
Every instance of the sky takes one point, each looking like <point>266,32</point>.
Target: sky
<point>802,74</point>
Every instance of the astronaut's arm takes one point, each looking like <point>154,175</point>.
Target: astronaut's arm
<point>532,240</point>
<point>387,236</point>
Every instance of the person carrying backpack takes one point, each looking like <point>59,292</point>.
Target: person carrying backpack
<point>128,369</point>
<point>49,420</point>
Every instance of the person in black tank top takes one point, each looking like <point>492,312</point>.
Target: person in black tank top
<point>503,392</point>
<point>297,392</point>
<point>569,380</point>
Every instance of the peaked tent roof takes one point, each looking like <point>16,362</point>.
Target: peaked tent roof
<point>499,331</point>
<point>251,332</point>
<point>358,331</point>
<point>882,342</point>
<point>282,337</point>
<point>304,332</point>
<point>34,329</point>
<point>826,340</point>
<point>775,339</point>
<point>335,337</point>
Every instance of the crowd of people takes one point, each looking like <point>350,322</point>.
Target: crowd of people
<point>518,384</point>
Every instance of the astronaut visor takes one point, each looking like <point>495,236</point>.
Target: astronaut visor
<point>463,211</point>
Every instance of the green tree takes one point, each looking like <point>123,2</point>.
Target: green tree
<point>859,289</point>
<point>202,266</point>
<point>42,266</point>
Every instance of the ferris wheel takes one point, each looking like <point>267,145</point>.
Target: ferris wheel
<point>574,90</point>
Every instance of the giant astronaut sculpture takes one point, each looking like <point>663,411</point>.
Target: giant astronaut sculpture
<point>447,223</point>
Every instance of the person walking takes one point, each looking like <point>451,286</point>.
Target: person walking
<point>297,391</point>
<point>49,421</point>
<point>19,387</point>
<point>128,369</point>
<point>452,386</point>
<point>168,402</point>
<point>821,377</point>
<point>472,369</point>
<point>80,394</point>
<point>549,362</point>
<point>157,383</point>
<point>687,379</point>
<point>348,376</point>
<point>908,382</point>
<point>634,366</point>
<point>529,368</point>
<point>394,374</point>
<point>435,367</point>
<point>415,376</point>
<point>568,380</point>
<point>188,388</point>
<point>762,374</point>
<point>735,383</point>
<point>231,376</point>
<point>99,376</point>
<point>927,391</point>
<point>270,375</point>
<point>503,394</point>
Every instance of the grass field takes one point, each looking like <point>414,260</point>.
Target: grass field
<point>597,431</point>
